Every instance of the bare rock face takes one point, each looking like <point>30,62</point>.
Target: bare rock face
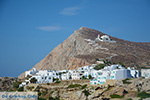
<point>75,52</point>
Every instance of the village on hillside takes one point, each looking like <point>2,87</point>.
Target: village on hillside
<point>97,73</point>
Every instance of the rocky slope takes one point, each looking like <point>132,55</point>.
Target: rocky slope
<point>126,89</point>
<point>6,83</point>
<point>76,51</point>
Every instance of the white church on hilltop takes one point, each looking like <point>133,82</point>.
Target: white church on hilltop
<point>104,38</point>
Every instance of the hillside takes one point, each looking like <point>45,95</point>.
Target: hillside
<point>77,51</point>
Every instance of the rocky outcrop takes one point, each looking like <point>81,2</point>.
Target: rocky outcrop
<point>84,91</point>
<point>76,51</point>
<point>6,83</point>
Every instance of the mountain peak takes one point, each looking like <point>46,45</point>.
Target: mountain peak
<point>85,28</point>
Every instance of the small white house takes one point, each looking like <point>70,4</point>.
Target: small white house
<point>75,75</point>
<point>94,73</point>
<point>43,78</point>
<point>145,73</point>
<point>134,73</point>
<point>104,38</point>
<point>113,72</point>
<point>22,84</point>
<point>32,72</point>
<point>100,62</point>
<point>64,76</point>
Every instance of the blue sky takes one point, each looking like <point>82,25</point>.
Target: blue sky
<point>30,29</point>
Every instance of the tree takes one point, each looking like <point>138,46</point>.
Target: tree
<point>16,84</point>
<point>70,77</point>
<point>21,89</point>
<point>122,64</point>
<point>56,80</point>
<point>97,59</point>
<point>107,62</point>
<point>90,77</point>
<point>86,93</point>
<point>33,80</point>
<point>83,78</point>
<point>99,66</point>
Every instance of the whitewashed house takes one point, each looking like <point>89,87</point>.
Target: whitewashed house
<point>64,76</point>
<point>85,71</point>
<point>145,73</point>
<point>74,75</point>
<point>94,73</point>
<point>30,73</point>
<point>114,72</point>
<point>44,77</point>
<point>67,75</point>
<point>134,73</point>
<point>22,84</point>
<point>104,38</point>
<point>100,77</point>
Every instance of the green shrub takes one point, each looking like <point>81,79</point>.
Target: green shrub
<point>74,85</point>
<point>97,59</point>
<point>39,93</point>
<point>83,78</point>
<point>99,66</point>
<point>41,98</point>
<point>47,83</point>
<point>51,92</point>
<point>143,95</point>
<point>86,93</point>
<point>84,86</point>
<point>116,96</point>
<point>70,77</point>
<point>21,89</point>
<point>16,84</point>
<point>129,99</point>
<point>90,77</point>
<point>30,88</point>
<point>51,98</point>
<point>125,81</point>
<point>122,64</point>
<point>33,80</point>
<point>44,93</point>
<point>107,62</point>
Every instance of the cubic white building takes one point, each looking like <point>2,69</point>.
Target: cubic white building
<point>114,72</point>
<point>75,75</point>
<point>104,38</point>
<point>145,73</point>
<point>30,73</point>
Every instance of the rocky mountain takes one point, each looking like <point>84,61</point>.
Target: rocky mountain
<point>81,49</point>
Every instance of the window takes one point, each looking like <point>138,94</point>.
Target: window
<point>100,73</point>
<point>112,77</point>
